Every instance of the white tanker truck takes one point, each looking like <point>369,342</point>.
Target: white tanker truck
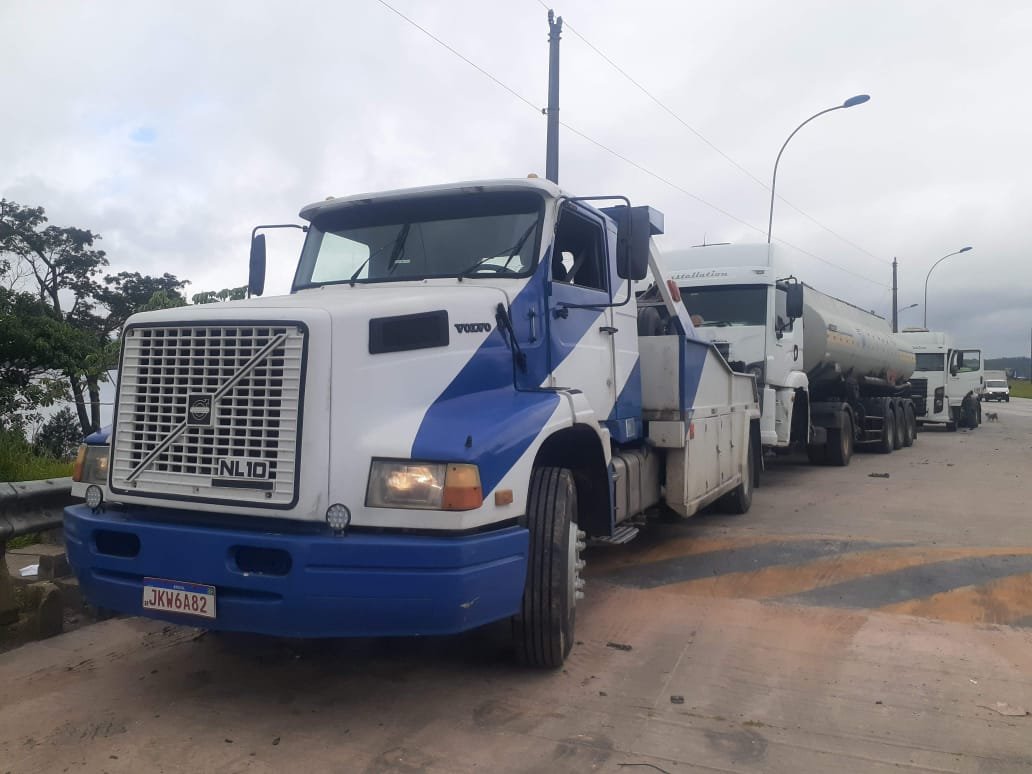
<point>831,375</point>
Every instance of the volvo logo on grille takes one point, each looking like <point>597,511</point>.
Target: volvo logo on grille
<point>198,410</point>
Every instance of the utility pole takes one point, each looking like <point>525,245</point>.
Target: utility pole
<point>555,28</point>
<point>895,303</point>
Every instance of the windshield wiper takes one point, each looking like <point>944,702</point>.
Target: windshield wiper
<point>505,322</point>
<point>398,242</point>
<point>399,249</point>
<point>513,252</point>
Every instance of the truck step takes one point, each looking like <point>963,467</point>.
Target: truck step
<point>623,534</point>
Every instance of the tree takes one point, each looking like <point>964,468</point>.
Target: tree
<point>226,294</point>
<point>35,346</point>
<point>60,436</point>
<point>61,267</point>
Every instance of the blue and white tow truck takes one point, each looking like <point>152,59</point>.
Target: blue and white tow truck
<point>460,390</point>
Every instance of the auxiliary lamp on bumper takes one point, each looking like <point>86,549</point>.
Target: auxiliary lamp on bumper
<point>435,486</point>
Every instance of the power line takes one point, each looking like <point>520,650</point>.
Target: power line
<point>706,140</point>
<point>615,153</point>
<point>472,64</point>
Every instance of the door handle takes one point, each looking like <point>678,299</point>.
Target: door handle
<point>608,329</point>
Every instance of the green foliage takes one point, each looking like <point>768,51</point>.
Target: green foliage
<point>226,294</point>
<point>161,299</point>
<point>59,437</point>
<point>18,461</point>
<point>1012,365</point>
<point>34,343</point>
<point>1020,389</point>
<point>62,321</point>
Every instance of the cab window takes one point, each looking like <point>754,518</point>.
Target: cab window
<point>578,257</point>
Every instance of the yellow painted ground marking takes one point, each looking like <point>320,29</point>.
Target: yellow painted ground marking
<point>782,580</point>
<point>1000,601</point>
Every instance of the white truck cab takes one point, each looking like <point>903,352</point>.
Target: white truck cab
<point>947,382</point>
<point>830,374</point>
<point>421,437</point>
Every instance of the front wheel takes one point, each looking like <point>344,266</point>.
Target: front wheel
<point>543,629</point>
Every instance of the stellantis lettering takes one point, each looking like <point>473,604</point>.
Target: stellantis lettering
<point>473,327</point>
<point>698,274</point>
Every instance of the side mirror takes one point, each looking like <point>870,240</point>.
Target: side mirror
<point>256,273</point>
<point>794,300</point>
<point>633,232</point>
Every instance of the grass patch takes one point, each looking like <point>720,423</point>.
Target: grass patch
<point>1020,389</point>
<point>24,541</point>
<point>19,463</point>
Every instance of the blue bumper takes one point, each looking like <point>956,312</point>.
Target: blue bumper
<point>289,585</point>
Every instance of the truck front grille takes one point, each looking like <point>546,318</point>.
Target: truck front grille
<point>210,412</point>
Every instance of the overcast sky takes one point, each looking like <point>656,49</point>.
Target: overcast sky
<point>172,128</point>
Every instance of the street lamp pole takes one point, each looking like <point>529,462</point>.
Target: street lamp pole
<point>859,99</point>
<point>958,252</point>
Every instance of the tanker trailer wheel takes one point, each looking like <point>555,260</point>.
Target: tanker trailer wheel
<point>899,421</point>
<point>840,443</point>
<point>887,442</point>
<point>909,425</point>
<point>543,629</point>
<point>739,499</point>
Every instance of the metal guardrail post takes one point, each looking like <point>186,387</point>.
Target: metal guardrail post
<point>27,507</point>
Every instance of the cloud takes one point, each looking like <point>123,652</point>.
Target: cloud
<point>174,128</point>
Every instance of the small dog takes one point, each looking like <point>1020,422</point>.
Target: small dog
<point>992,416</point>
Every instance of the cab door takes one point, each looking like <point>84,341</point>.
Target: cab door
<point>580,315</point>
<point>966,374</point>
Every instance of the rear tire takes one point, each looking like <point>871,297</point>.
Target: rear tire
<point>899,421</point>
<point>739,499</point>
<point>906,425</point>
<point>840,443</point>
<point>888,440</point>
<point>543,629</point>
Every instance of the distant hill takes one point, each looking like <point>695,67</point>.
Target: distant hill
<point>1015,366</point>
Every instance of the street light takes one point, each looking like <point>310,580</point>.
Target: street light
<point>958,252</point>
<point>859,99</point>
<point>904,308</point>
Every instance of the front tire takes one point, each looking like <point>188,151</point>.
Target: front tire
<point>543,629</point>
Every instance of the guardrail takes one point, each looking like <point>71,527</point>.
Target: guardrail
<point>33,506</point>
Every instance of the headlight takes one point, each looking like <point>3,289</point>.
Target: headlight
<point>91,464</point>
<point>424,485</point>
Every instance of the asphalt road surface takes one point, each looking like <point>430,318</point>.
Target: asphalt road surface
<point>849,622</point>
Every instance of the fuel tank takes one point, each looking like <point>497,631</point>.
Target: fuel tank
<point>842,340</point>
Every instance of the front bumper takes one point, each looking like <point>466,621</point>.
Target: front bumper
<point>290,585</point>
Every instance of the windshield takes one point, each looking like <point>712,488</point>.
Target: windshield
<point>724,305</point>
<point>473,235</point>
<point>995,383</point>
<point>930,361</point>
